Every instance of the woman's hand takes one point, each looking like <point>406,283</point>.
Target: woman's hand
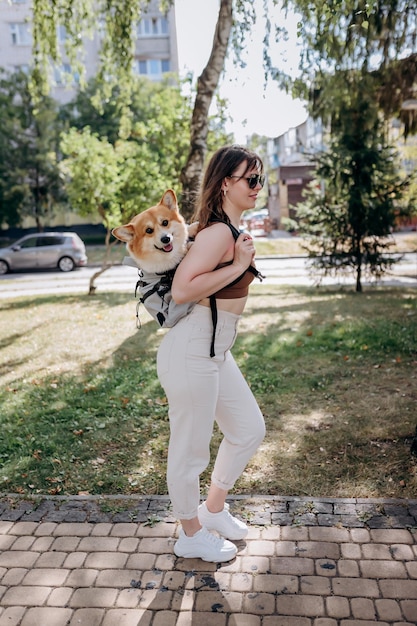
<point>244,251</point>
<point>213,246</point>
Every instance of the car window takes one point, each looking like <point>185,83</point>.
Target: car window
<point>50,241</point>
<point>29,243</point>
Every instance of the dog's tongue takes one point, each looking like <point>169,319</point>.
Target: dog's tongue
<point>168,247</point>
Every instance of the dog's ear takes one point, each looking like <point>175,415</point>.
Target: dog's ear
<point>169,199</point>
<point>124,233</point>
<point>192,229</point>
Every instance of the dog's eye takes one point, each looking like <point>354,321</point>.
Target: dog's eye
<point>149,230</point>
<point>165,222</point>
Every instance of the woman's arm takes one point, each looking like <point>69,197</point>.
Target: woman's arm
<point>195,279</point>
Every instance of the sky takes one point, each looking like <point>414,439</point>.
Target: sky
<point>253,107</point>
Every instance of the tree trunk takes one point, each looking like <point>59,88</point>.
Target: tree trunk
<point>107,262</point>
<point>359,272</point>
<point>206,85</point>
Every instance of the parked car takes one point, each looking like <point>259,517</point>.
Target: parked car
<point>256,222</point>
<point>64,251</point>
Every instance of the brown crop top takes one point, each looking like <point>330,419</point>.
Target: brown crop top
<point>239,288</point>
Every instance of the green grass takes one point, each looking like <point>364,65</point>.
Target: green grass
<point>334,372</point>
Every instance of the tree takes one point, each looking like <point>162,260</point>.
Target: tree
<point>91,168</point>
<point>159,117</point>
<point>357,68</point>
<point>336,35</point>
<point>234,22</point>
<point>206,85</point>
<point>30,179</point>
<point>135,171</point>
<point>348,224</point>
<point>109,181</point>
<point>375,37</point>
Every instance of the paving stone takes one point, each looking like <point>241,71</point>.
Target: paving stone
<point>259,603</point>
<point>91,597</point>
<point>305,605</point>
<point>305,562</point>
<point>363,608</point>
<point>127,617</point>
<point>87,617</point>
<point>25,596</point>
<point>47,616</point>
<point>12,616</point>
<point>337,606</point>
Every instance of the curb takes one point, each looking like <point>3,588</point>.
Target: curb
<point>370,513</point>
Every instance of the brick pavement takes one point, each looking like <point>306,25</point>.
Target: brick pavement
<point>109,562</point>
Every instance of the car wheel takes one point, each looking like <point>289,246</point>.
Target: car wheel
<point>4,268</point>
<point>66,264</point>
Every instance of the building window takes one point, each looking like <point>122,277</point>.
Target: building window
<point>20,34</point>
<point>61,33</point>
<point>153,68</point>
<point>24,67</point>
<point>152,27</point>
<point>63,75</point>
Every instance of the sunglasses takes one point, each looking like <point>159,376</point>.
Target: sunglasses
<point>252,180</point>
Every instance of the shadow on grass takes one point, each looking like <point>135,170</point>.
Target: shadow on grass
<point>334,373</point>
<point>108,299</point>
<point>337,382</point>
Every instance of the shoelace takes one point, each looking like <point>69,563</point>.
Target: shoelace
<point>212,538</point>
<point>230,517</point>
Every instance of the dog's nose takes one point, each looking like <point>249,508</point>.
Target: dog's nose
<point>166,239</point>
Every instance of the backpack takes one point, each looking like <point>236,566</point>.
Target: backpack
<point>156,297</point>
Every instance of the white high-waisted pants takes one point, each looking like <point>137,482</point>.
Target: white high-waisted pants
<point>200,390</point>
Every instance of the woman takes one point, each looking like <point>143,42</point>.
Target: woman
<point>202,388</point>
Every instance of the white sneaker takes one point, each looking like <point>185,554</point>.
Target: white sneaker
<point>206,546</point>
<point>224,523</point>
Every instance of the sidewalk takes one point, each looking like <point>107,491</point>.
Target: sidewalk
<point>109,562</point>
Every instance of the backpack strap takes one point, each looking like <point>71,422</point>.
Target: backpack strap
<point>213,307</point>
<point>213,304</point>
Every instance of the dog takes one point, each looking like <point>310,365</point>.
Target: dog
<point>158,238</point>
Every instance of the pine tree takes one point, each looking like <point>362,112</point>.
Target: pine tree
<point>351,210</point>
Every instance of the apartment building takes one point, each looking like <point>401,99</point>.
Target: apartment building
<point>156,50</point>
<point>291,155</point>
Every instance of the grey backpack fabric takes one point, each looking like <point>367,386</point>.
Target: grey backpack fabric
<point>156,297</point>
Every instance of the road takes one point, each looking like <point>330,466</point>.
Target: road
<point>283,271</point>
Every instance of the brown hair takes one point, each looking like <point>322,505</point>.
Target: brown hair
<point>225,161</point>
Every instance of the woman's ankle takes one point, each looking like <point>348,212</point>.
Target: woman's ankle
<point>191,526</point>
<point>216,498</point>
